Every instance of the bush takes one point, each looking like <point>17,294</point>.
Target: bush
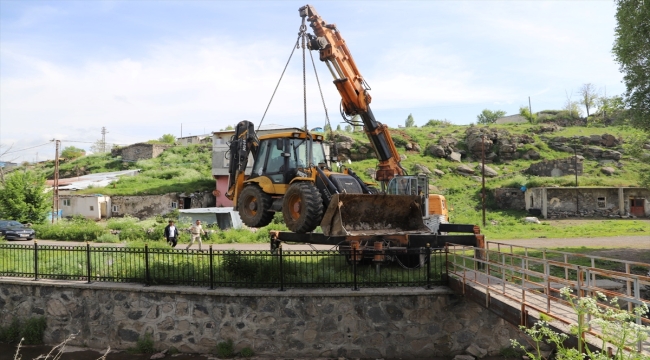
<point>144,345</point>
<point>75,229</point>
<point>247,352</point>
<point>32,331</point>
<point>108,238</point>
<point>225,349</point>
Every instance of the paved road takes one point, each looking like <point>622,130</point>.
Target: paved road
<point>640,242</point>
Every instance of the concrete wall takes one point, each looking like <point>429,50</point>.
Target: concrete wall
<point>371,323</point>
<point>222,187</point>
<point>585,202</point>
<point>88,206</point>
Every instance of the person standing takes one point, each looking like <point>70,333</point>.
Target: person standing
<point>195,232</point>
<point>171,234</point>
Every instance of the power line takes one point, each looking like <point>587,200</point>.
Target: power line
<point>33,147</point>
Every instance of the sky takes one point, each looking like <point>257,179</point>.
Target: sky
<point>147,68</point>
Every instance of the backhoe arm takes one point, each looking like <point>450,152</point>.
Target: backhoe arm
<point>242,143</point>
<point>353,89</point>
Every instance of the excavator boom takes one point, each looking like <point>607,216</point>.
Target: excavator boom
<point>353,89</point>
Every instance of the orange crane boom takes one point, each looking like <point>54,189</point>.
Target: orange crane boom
<point>353,89</point>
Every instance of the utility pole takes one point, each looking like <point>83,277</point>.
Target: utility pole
<point>483,175</point>
<point>575,166</point>
<point>55,191</point>
<point>104,132</point>
<point>530,109</point>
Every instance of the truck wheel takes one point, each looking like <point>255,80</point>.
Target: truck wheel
<point>302,207</point>
<point>253,206</point>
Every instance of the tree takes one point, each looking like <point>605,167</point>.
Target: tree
<point>588,96</point>
<point>525,112</point>
<point>23,197</point>
<point>167,139</point>
<point>348,128</point>
<point>572,107</point>
<point>409,122</point>
<point>338,127</point>
<point>99,147</point>
<point>632,51</point>
<point>488,116</point>
<point>71,152</point>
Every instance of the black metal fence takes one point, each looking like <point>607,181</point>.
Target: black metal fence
<point>423,267</point>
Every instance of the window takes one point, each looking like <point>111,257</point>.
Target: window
<point>174,205</point>
<point>66,202</point>
<point>601,203</point>
<point>92,208</point>
<point>116,208</point>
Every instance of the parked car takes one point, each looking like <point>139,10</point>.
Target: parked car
<point>13,230</point>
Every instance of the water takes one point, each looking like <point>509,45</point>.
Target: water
<point>31,352</point>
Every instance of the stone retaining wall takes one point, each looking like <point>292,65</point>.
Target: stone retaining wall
<point>371,323</point>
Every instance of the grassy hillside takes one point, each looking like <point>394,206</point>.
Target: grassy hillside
<point>178,169</point>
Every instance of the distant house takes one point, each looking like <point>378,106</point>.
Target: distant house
<point>512,119</point>
<point>93,207</point>
<point>7,165</point>
<point>220,164</point>
<point>139,151</point>
<point>195,139</point>
<point>144,206</point>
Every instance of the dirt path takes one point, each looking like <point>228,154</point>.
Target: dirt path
<point>639,242</point>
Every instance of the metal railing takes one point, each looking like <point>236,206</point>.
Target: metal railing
<point>528,277</point>
<point>210,268</point>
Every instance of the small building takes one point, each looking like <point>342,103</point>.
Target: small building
<point>223,217</point>
<point>95,207</point>
<point>194,139</point>
<point>512,119</point>
<point>220,164</point>
<point>139,151</point>
<point>144,206</point>
<point>562,202</point>
<point>6,165</point>
<point>510,198</point>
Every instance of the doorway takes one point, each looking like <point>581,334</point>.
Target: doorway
<point>187,203</point>
<point>637,207</point>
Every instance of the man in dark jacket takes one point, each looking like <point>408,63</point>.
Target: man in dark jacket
<point>171,234</point>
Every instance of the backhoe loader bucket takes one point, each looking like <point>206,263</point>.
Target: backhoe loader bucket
<point>356,214</point>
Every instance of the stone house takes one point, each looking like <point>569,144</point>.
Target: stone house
<point>510,198</point>
<point>145,206</point>
<point>139,151</point>
<point>512,119</point>
<point>562,202</point>
<point>194,139</point>
<point>95,207</point>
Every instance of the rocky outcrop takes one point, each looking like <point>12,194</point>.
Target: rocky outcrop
<point>556,168</point>
<point>498,144</point>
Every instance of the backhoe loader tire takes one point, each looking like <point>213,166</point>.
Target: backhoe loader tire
<point>253,206</point>
<point>302,208</point>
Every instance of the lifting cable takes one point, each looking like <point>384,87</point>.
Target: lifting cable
<point>295,46</point>
<point>327,117</point>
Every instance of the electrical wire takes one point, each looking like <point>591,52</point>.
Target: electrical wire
<point>33,147</point>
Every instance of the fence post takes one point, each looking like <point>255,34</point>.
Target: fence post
<point>88,259</point>
<point>35,260</point>
<point>354,268</point>
<point>281,267</point>
<point>428,265</point>
<point>211,275</point>
<point>146,265</point>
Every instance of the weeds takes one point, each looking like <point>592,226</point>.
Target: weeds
<point>247,352</point>
<point>29,333</point>
<point>144,345</point>
<point>225,349</point>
